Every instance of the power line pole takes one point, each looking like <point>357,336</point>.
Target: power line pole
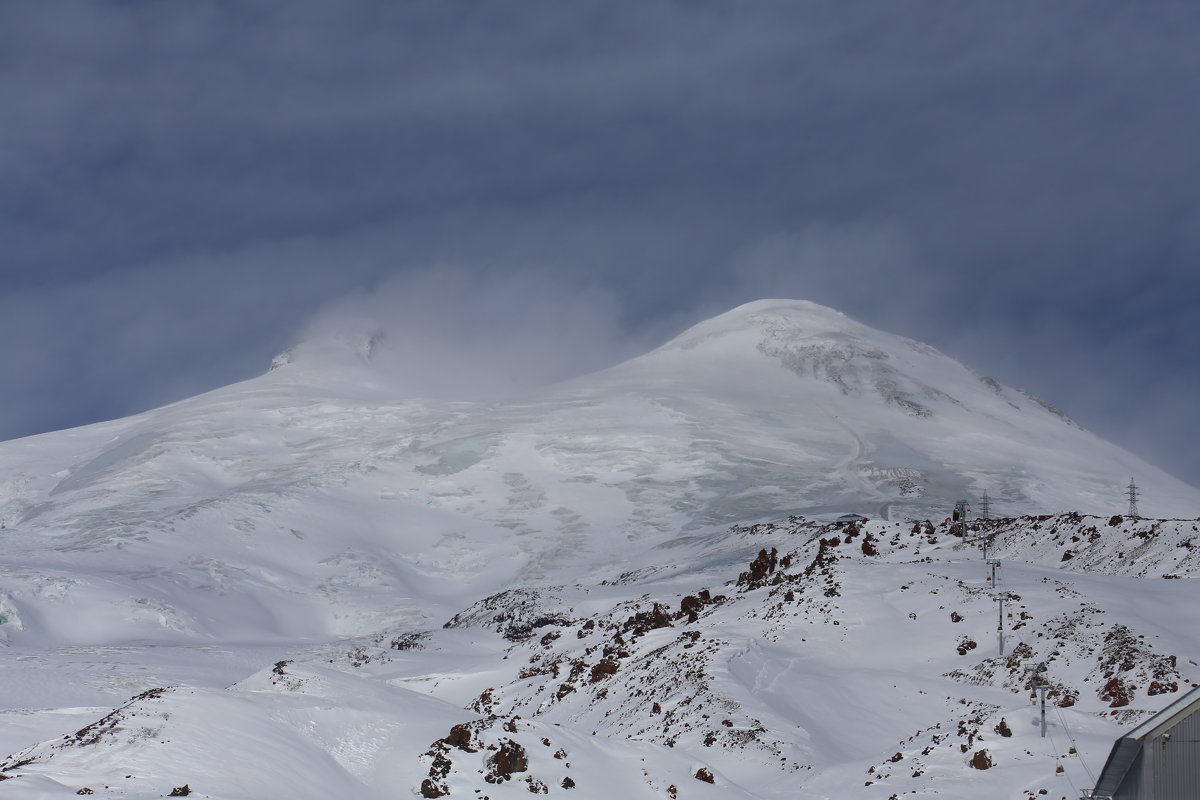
<point>1132,493</point>
<point>985,506</point>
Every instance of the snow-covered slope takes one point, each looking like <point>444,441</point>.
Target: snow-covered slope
<point>836,660</point>
<point>323,501</point>
<point>814,412</point>
<point>195,545</point>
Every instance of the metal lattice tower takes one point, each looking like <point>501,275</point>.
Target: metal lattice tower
<point>1132,493</point>
<point>985,506</point>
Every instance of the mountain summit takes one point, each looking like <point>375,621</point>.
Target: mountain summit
<point>816,342</point>
<point>851,418</point>
<point>632,582</point>
<point>304,488</point>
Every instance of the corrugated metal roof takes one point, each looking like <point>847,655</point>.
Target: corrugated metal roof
<point>1167,717</point>
<point>1120,759</point>
<point>1125,750</point>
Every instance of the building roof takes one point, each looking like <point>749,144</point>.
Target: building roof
<point>1166,719</point>
<point>1126,749</point>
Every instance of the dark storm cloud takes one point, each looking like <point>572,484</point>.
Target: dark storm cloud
<point>183,184</point>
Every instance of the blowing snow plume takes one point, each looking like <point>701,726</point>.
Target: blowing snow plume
<point>575,570</point>
<point>448,333</point>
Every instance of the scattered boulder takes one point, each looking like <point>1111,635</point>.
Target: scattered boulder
<point>868,546</point>
<point>431,789</point>
<point>760,568</point>
<point>460,737</point>
<point>510,757</point>
<point>603,669</point>
<point>643,621</point>
<point>690,607</point>
<point>705,775</point>
<point>410,641</point>
<point>981,760</point>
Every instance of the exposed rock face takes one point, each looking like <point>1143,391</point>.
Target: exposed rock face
<point>981,760</point>
<point>460,737</point>
<point>494,750</point>
<point>603,669</point>
<point>1116,693</point>
<point>644,621</point>
<point>509,758</point>
<point>431,789</point>
<point>868,546</point>
<point>760,569</point>
<point>516,614</point>
<point>691,606</point>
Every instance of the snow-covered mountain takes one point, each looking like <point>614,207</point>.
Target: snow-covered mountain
<point>283,552</point>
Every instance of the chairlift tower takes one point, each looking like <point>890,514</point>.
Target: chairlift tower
<point>1001,599</point>
<point>1038,687</point>
<point>1132,493</point>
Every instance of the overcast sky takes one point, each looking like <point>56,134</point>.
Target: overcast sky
<point>184,185</point>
